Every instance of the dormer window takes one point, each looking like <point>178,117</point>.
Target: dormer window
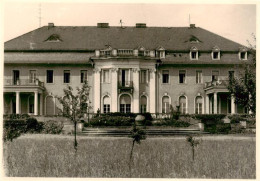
<point>141,51</point>
<point>215,53</point>
<point>243,54</point>
<point>160,52</point>
<point>194,54</point>
<point>53,38</point>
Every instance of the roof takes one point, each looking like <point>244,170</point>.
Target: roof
<point>53,57</point>
<point>92,38</point>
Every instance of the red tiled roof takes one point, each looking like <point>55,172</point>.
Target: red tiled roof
<point>91,38</point>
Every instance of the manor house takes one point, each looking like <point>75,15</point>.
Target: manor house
<point>130,69</point>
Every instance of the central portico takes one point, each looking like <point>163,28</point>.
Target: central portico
<point>124,85</point>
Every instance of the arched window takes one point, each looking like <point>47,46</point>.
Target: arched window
<point>183,105</point>
<point>165,104</point>
<point>49,102</point>
<point>143,107</point>
<point>106,104</point>
<point>198,105</point>
<point>125,103</point>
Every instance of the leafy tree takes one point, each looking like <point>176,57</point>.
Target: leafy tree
<point>137,135</point>
<point>243,87</point>
<point>75,105</point>
<point>193,143</point>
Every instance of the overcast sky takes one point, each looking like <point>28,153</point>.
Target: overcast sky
<point>235,22</point>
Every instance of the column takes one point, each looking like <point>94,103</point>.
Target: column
<point>35,103</point>
<point>215,103</point>
<point>233,105</point>
<point>114,94</point>
<point>18,102</point>
<point>207,104</point>
<point>152,91</point>
<point>41,104</point>
<point>96,90</point>
<point>136,90</point>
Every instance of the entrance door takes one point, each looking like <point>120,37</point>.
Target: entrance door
<point>16,76</point>
<point>13,106</point>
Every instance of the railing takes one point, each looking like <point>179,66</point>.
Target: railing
<point>216,83</point>
<point>23,82</point>
<point>125,84</point>
<point>125,52</point>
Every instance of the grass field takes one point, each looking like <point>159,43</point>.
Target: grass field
<point>168,157</point>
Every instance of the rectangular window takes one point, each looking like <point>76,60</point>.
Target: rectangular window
<point>122,108</point>
<point>143,76</point>
<point>198,77</point>
<point>66,76</point>
<point>16,77</point>
<point>215,75</point>
<point>231,75</point>
<point>166,107</point>
<point>83,76</point>
<point>165,76</point>
<point>106,108</point>
<point>198,108</point>
<point>215,55</point>
<point>183,108</point>
<point>32,76</point>
<point>182,75</point>
<point>143,108</point>
<point>141,53</point>
<point>84,107</point>
<point>243,55</point>
<point>128,108</point>
<point>125,108</point>
<point>105,75</point>
<point>49,76</point>
<point>194,55</point>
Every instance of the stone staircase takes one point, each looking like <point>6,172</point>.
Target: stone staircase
<point>125,132</point>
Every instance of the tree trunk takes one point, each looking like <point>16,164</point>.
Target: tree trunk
<point>75,136</point>
<point>193,150</point>
<point>130,160</point>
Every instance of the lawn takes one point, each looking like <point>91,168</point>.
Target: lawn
<point>164,157</point>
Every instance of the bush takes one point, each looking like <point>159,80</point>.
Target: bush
<point>172,122</point>
<point>208,119</point>
<point>13,129</point>
<point>53,127</point>
<point>148,119</point>
<point>33,126</point>
<point>11,133</point>
<point>108,120</point>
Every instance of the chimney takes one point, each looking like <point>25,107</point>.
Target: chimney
<point>192,26</point>
<point>103,25</point>
<point>140,25</point>
<point>50,25</point>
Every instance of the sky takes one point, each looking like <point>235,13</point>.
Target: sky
<point>236,22</point>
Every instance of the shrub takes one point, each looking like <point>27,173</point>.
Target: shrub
<point>189,120</point>
<point>172,122</point>
<point>237,128</point>
<point>108,120</point>
<point>13,129</point>
<point>236,118</point>
<point>33,126</point>
<point>11,133</point>
<point>148,119</point>
<point>53,127</point>
<point>208,119</point>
